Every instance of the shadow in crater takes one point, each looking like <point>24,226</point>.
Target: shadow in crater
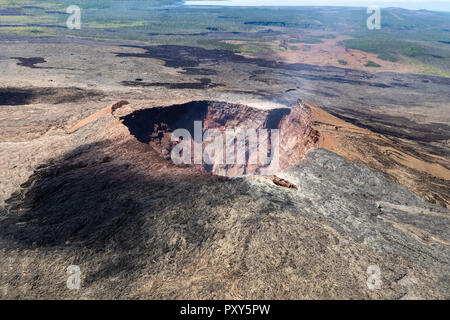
<point>275,116</point>
<point>148,124</point>
<point>152,124</point>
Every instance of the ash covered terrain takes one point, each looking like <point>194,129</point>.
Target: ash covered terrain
<point>86,118</point>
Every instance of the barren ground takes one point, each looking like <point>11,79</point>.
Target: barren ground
<point>78,188</point>
<point>330,51</point>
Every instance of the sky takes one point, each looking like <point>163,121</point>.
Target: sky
<point>436,5</point>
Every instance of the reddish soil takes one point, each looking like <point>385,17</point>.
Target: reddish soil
<point>425,174</point>
<point>296,136</point>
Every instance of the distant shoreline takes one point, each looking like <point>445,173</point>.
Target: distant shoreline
<point>425,5</point>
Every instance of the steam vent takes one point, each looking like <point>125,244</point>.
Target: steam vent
<point>226,139</point>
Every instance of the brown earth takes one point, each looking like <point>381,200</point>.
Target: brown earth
<point>235,125</point>
<point>425,174</point>
<point>330,51</point>
<point>306,126</point>
<point>140,227</point>
<point>107,110</point>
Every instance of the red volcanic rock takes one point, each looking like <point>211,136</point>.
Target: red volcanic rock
<point>226,139</point>
<point>283,183</point>
<point>297,135</point>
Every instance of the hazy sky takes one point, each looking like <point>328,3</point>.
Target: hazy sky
<point>437,5</point>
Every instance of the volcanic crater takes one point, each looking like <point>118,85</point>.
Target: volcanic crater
<point>274,139</point>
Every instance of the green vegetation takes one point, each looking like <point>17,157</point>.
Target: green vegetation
<point>372,64</point>
<point>342,62</point>
<point>392,49</point>
<point>313,39</point>
<point>216,44</point>
<point>406,36</point>
<point>387,47</point>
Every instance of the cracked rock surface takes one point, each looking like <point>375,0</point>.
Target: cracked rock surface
<point>143,229</point>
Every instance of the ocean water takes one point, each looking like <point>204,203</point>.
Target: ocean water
<point>443,5</point>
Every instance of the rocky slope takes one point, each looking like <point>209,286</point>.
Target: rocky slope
<point>241,140</point>
<point>140,227</point>
<point>424,173</point>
